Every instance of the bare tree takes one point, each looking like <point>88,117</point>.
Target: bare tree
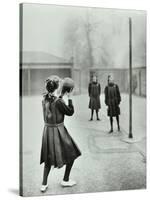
<point>95,39</point>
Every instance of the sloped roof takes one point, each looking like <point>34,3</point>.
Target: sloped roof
<point>32,57</point>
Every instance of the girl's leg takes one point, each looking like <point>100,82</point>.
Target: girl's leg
<point>111,124</point>
<point>97,115</point>
<point>92,111</point>
<point>46,173</point>
<point>117,118</point>
<point>67,171</point>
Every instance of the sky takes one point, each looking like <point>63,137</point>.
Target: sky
<point>44,28</point>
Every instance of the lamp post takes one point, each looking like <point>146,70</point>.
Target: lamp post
<point>130,78</point>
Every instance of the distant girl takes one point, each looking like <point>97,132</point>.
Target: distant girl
<point>94,91</point>
<point>112,100</point>
<point>58,148</point>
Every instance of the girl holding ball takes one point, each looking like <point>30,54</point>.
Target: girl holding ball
<point>58,147</point>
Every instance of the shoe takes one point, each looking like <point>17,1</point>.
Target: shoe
<point>111,131</point>
<point>98,119</point>
<point>118,129</point>
<point>44,188</point>
<point>69,183</point>
<point>91,119</point>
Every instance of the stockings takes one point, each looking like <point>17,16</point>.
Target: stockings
<point>111,123</point>
<point>46,173</point>
<point>92,112</point>
<point>66,175</point>
<point>97,114</point>
<point>117,118</point>
<point>67,171</point>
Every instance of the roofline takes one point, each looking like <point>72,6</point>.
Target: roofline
<point>113,68</point>
<point>65,63</point>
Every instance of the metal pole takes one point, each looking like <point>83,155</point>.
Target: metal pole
<point>130,78</point>
<point>140,84</point>
<point>29,81</point>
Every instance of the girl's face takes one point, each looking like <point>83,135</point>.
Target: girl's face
<point>111,79</point>
<point>94,79</point>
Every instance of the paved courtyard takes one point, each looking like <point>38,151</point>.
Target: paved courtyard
<point>107,162</point>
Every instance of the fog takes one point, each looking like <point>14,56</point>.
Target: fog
<point>62,31</point>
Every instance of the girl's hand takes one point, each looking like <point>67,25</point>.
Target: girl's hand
<point>70,94</point>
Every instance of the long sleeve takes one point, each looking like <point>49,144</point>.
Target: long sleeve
<point>106,95</point>
<point>118,94</point>
<point>89,89</point>
<point>65,109</point>
<point>99,89</point>
<point>43,108</point>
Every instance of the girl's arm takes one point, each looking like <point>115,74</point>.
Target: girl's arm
<point>43,107</point>
<point>99,89</point>
<point>89,89</point>
<point>118,94</point>
<point>66,109</point>
<point>106,95</point>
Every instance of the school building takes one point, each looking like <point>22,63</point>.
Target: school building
<point>35,67</point>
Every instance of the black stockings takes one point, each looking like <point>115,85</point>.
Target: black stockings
<point>46,173</point>
<point>117,118</point>
<point>92,112</point>
<point>67,171</point>
<point>66,175</point>
<point>111,122</point>
<point>97,114</point>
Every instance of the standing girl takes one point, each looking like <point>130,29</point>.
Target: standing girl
<point>58,148</point>
<point>112,100</point>
<point>94,91</point>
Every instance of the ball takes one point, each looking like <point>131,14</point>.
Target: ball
<point>68,85</point>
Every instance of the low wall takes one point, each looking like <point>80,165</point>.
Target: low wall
<point>121,77</point>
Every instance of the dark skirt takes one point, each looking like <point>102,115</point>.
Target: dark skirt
<point>94,103</point>
<point>58,148</point>
<point>113,110</point>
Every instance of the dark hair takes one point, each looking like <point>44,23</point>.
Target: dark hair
<point>66,89</point>
<point>51,86</point>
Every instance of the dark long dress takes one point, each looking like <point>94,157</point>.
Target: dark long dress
<point>112,99</point>
<point>58,147</point>
<point>94,91</point>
